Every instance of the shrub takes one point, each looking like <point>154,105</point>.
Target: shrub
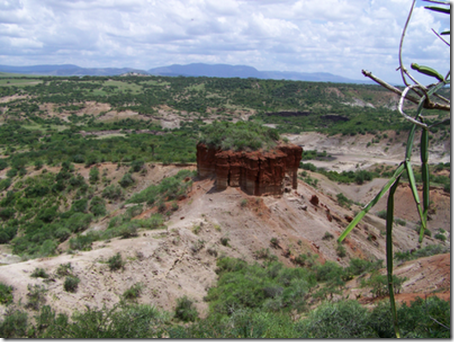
<point>197,246</point>
<point>341,251</point>
<point>64,270</point>
<point>78,222</point>
<point>48,247</point>
<point>14,324</point>
<point>360,266</point>
<point>265,254</point>
<point>39,273</point>
<point>136,166</point>
<point>35,296</point>
<point>6,294</point>
<point>112,192</point>
<point>381,214</point>
<point>83,242</point>
<point>239,136</point>
<point>343,201</point>
<point>133,211</point>
<point>128,230</point>
<point>328,236</point>
<point>341,320</point>
<point>80,206</point>
<point>133,292</point>
<point>116,262</point>
<point>185,310</point>
<point>62,234</point>
<point>126,180</point>
<point>440,236</point>
<point>379,284</point>
<point>420,253</point>
<point>71,283</point>
<point>93,175</point>
<point>97,206</point>
<point>225,241</point>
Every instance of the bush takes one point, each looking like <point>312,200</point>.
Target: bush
<point>116,262</point>
<point>126,180</point>
<point>343,201</point>
<point>71,283</point>
<point>136,166</point>
<point>185,310</point>
<point>39,273</point>
<point>62,234</point>
<point>6,294</point>
<point>360,266</point>
<point>93,175</point>
<point>78,222</point>
<point>97,206</point>
<point>341,251</point>
<point>133,292</point>
<point>379,284</point>
<point>83,242</point>
<point>341,320</point>
<point>112,192</point>
<point>14,324</point>
<point>239,136</point>
<point>440,236</point>
<point>328,236</point>
<point>64,270</point>
<point>35,296</point>
<point>80,206</point>
<point>420,253</point>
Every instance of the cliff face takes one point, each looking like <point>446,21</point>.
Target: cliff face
<point>257,173</point>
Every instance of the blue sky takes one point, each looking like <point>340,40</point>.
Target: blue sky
<point>337,36</point>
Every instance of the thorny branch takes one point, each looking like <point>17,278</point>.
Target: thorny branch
<point>428,104</point>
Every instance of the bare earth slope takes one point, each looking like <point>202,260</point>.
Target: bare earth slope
<point>181,259</point>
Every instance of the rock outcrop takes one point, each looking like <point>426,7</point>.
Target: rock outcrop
<point>256,173</point>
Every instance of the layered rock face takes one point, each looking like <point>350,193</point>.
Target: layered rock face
<point>257,173</point>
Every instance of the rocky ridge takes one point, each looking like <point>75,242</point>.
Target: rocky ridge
<point>257,173</point>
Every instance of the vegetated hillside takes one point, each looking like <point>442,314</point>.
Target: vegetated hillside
<point>177,256</point>
<point>81,181</point>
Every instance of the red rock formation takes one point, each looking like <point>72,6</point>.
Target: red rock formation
<point>257,173</point>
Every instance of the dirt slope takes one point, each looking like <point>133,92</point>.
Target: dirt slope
<point>181,259</point>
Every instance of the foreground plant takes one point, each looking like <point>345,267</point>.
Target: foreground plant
<point>426,97</point>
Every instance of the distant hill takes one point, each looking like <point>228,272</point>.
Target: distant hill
<point>66,70</point>
<point>188,70</point>
<point>244,71</point>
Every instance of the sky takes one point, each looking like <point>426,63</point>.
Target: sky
<point>341,37</point>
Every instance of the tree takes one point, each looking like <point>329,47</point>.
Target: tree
<point>427,98</point>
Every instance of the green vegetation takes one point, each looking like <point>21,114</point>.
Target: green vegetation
<point>71,283</point>
<point>241,136</point>
<point>39,273</point>
<point>185,310</point>
<point>420,253</point>
<point>6,294</point>
<point>249,301</point>
<point>116,262</point>
<point>133,292</point>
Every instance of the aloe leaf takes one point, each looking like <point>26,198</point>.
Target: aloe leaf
<point>389,253</point>
<point>366,209</point>
<point>414,190</point>
<point>439,9</point>
<point>425,172</point>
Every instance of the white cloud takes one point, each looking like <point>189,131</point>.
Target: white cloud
<point>336,36</point>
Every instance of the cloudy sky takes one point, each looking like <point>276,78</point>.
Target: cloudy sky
<point>337,36</point>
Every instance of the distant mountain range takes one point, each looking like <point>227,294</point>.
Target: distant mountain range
<point>189,70</point>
